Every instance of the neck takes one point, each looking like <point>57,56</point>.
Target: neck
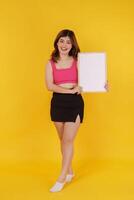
<point>64,57</point>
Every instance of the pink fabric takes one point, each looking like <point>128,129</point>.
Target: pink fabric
<point>68,75</point>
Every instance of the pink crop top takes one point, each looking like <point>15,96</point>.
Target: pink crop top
<point>66,75</point>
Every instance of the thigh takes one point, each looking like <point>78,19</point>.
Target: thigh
<point>70,130</point>
<point>59,127</point>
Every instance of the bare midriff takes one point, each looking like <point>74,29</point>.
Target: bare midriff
<point>68,85</point>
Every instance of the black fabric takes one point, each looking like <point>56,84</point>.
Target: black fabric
<point>65,107</point>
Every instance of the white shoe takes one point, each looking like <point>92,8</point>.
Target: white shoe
<point>57,186</point>
<point>69,177</point>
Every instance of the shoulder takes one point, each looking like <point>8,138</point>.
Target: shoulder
<point>49,64</point>
<point>76,61</point>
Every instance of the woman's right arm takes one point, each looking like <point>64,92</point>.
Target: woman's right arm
<point>49,81</point>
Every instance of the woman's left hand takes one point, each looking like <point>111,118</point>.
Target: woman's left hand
<point>106,86</point>
<point>77,89</point>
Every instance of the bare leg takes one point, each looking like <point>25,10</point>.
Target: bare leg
<point>69,133</point>
<point>60,128</point>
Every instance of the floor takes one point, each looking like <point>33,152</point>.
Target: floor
<point>94,180</point>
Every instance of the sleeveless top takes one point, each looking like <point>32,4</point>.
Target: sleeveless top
<point>66,75</point>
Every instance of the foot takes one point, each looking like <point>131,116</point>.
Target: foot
<point>69,177</point>
<point>58,186</point>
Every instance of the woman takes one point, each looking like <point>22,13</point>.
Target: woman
<point>67,104</point>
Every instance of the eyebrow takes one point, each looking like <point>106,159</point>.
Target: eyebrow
<point>67,39</point>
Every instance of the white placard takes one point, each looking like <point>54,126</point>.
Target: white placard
<point>92,71</point>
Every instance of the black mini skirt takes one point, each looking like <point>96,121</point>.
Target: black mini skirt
<point>65,107</point>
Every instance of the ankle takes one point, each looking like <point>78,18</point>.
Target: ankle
<point>61,178</point>
<point>70,171</point>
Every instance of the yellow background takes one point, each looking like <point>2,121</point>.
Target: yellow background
<point>27,135</point>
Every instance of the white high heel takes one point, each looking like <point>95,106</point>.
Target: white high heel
<point>57,186</point>
<point>69,177</point>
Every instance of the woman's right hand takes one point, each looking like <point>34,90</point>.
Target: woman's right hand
<point>77,89</point>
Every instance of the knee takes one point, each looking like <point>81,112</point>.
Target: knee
<point>66,141</point>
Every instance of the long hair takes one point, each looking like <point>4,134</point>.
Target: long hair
<point>74,50</point>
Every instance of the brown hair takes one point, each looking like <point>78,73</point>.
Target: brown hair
<point>75,48</point>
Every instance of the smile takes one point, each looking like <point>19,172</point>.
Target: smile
<point>63,49</point>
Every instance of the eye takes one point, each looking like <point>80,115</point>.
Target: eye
<point>68,42</point>
<point>61,40</point>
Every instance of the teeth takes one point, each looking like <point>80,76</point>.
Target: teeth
<point>63,48</point>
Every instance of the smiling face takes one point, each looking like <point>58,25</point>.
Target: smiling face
<point>64,45</point>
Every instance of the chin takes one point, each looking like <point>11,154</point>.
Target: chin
<point>64,53</point>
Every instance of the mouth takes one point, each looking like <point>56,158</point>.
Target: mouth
<point>64,49</point>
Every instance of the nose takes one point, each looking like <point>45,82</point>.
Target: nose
<point>64,45</point>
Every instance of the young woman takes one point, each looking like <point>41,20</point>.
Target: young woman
<point>67,104</point>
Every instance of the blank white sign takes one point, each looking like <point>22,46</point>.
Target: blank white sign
<point>92,71</point>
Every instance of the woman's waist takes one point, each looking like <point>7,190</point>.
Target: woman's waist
<point>67,85</point>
